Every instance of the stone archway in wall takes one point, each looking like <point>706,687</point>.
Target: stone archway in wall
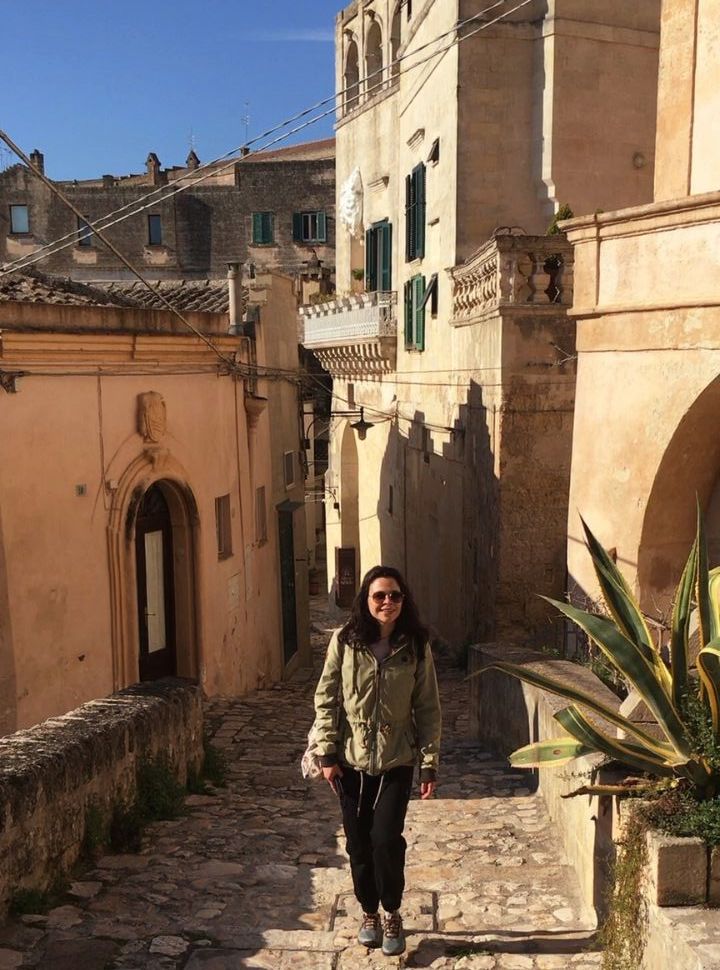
<point>156,470</point>
<point>350,497</point>
<point>690,466</point>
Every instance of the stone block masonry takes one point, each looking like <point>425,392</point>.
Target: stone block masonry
<point>51,774</point>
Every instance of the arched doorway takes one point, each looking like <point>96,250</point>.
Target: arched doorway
<point>373,58</point>
<point>395,42</point>
<point>352,77</point>
<point>154,561</point>
<point>348,564</point>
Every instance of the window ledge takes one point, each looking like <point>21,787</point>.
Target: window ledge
<point>255,245</point>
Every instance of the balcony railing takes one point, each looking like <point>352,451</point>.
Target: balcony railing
<point>354,334</point>
<point>512,271</point>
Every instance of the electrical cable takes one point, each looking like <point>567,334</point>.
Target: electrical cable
<point>51,249</point>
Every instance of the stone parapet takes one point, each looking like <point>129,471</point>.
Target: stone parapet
<point>52,773</point>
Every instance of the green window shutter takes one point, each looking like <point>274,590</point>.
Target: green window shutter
<point>408,315</point>
<point>420,211</point>
<point>269,234</point>
<point>370,260</point>
<point>297,227</point>
<point>409,228</point>
<point>419,311</point>
<point>321,227</point>
<point>257,227</point>
<point>386,257</point>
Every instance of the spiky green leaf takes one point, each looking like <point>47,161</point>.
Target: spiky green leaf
<point>708,664</point>
<point>617,594</point>
<point>635,666</point>
<point>682,608</point>
<point>553,752</point>
<point>661,749</point>
<point>706,614</point>
<point>577,725</point>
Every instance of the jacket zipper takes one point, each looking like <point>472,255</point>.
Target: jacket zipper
<point>378,675</point>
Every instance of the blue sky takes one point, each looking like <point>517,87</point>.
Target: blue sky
<point>97,84</point>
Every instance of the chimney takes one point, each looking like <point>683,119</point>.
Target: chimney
<point>153,168</point>
<point>38,161</point>
<point>192,161</point>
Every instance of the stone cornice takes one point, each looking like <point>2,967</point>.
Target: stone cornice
<point>95,349</point>
<point>670,214</point>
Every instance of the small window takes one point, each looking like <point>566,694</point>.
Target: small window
<point>84,233</point>
<point>309,227</point>
<point>351,395</point>
<point>415,214</point>
<point>415,314</point>
<point>19,219</point>
<point>263,231</point>
<point>260,515</point>
<point>154,231</point>
<point>289,468</point>
<point>223,526</point>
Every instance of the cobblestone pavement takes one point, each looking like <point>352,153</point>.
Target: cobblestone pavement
<point>255,876</point>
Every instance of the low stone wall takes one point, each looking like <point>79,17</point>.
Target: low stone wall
<point>50,774</point>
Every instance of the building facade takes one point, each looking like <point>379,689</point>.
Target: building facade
<point>647,306</point>
<point>151,499</point>
<point>458,138</point>
<point>272,209</point>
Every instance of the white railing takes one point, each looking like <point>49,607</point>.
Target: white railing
<point>362,317</point>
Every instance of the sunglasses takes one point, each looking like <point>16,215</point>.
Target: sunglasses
<point>394,595</point>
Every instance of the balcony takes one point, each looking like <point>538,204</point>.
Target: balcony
<point>511,273</point>
<point>353,336</point>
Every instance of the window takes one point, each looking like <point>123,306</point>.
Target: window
<point>352,77</point>
<point>154,231</point>
<point>415,214</point>
<point>223,526</point>
<point>84,233</point>
<point>430,296</point>
<point>415,314</point>
<point>309,227</point>
<point>19,219</point>
<point>263,228</point>
<point>378,257</point>
<point>289,468</point>
<point>260,515</point>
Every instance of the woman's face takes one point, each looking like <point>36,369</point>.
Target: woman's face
<point>385,601</point>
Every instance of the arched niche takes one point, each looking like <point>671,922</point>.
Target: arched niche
<point>351,78</point>
<point>395,28</point>
<point>373,57</point>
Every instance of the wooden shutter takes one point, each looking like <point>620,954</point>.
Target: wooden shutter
<point>297,227</point>
<point>257,227</point>
<point>420,211</point>
<point>268,228</point>
<point>408,315</point>
<point>409,217</point>
<point>370,260</point>
<point>321,227</point>
<point>386,257</point>
<point>419,311</point>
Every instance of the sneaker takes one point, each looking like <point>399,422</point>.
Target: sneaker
<point>370,933</point>
<point>393,937</point>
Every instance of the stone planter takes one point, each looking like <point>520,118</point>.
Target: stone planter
<point>677,871</point>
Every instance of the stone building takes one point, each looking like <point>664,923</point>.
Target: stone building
<point>451,327</point>
<point>647,306</point>
<point>273,209</point>
<point>151,498</point>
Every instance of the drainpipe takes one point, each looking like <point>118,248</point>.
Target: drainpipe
<point>234,298</point>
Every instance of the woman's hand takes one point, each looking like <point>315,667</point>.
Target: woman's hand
<point>331,774</point>
<point>427,789</point>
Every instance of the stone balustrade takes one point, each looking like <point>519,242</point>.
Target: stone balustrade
<point>512,271</point>
<point>52,774</point>
<point>352,335</point>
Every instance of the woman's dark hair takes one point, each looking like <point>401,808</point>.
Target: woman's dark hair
<point>365,628</point>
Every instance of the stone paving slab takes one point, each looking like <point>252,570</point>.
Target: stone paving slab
<point>256,874</point>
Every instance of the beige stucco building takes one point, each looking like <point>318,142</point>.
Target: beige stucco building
<point>151,501</point>
<point>647,304</point>
<point>451,330</point>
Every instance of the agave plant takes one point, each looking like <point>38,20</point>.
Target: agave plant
<point>624,638</point>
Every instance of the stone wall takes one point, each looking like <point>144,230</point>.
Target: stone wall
<point>50,774</point>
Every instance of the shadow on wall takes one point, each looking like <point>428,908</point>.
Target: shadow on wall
<point>195,233</point>
<point>8,682</point>
<point>438,519</point>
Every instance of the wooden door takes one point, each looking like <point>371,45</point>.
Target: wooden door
<point>155,587</point>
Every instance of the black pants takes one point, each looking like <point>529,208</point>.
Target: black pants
<point>373,819</point>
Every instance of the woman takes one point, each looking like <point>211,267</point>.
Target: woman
<point>377,715</point>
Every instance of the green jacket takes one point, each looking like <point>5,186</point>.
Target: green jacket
<point>376,716</point>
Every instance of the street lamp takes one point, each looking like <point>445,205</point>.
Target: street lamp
<point>361,426</point>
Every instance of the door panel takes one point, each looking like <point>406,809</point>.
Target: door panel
<point>155,587</point>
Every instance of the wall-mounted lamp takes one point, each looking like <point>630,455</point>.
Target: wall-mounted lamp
<point>361,426</point>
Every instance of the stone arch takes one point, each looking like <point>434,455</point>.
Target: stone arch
<point>395,28</point>
<point>373,57</point>
<point>350,494</point>
<point>690,466</point>
<point>351,78</point>
<point>153,467</point>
